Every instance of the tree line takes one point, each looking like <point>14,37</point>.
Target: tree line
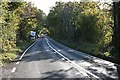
<point>86,26</point>
<point>17,20</point>
<point>116,35</point>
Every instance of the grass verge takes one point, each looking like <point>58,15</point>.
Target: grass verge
<point>8,57</point>
<point>89,48</point>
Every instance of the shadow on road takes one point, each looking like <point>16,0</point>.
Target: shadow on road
<point>38,56</point>
<point>38,53</point>
<point>60,74</point>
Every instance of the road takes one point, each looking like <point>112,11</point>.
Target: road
<point>47,58</point>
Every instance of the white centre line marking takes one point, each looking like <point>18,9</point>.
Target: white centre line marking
<point>13,70</point>
<point>17,62</point>
<point>82,70</point>
<point>62,58</point>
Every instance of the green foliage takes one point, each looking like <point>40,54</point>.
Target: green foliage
<point>8,57</point>
<point>84,22</point>
<point>17,19</point>
<point>44,31</point>
<point>107,53</point>
<point>31,19</point>
<point>1,63</point>
<point>9,26</point>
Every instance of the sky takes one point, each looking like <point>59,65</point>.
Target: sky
<point>45,5</point>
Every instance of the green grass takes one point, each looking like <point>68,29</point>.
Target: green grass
<point>23,45</point>
<point>81,46</point>
<point>89,48</point>
<point>7,57</point>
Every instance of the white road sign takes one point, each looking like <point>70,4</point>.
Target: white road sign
<point>33,33</point>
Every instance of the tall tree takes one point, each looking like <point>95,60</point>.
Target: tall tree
<point>17,20</point>
<point>9,23</point>
<point>82,21</point>
<point>116,37</point>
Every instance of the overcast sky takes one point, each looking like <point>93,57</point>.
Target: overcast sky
<point>46,4</point>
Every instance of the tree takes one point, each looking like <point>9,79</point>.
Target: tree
<point>82,21</point>
<point>31,19</point>
<point>116,36</point>
<point>9,23</point>
<point>17,20</point>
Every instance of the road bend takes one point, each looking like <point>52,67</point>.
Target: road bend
<point>50,59</point>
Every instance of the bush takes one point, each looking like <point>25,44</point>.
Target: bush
<point>8,57</point>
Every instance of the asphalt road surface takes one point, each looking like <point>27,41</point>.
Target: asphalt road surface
<point>47,59</point>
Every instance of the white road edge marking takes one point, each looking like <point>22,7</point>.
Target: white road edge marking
<point>73,62</point>
<point>62,58</point>
<point>13,70</point>
<point>27,50</point>
<point>17,62</point>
